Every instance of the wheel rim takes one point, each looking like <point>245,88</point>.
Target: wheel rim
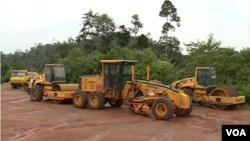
<point>34,94</point>
<point>94,100</point>
<point>78,99</point>
<point>161,109</point>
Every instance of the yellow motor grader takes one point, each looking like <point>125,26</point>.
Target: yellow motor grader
<point>204,88</point>
<point>115,85</point>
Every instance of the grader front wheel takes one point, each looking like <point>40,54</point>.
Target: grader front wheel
<point>163,108</point>
<point>96,100</point>
<point>80,99</point>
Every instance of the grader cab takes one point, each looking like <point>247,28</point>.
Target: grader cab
<point>204,88</point>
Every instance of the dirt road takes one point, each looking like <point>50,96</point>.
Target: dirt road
<point>22,119</point>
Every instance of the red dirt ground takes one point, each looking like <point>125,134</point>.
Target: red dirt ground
<point>25,120</point>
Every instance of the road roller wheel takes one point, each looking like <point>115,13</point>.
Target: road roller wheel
<point>96,100</point>
<point>185,112</point>
<point>57,101</point>
<point>36,93</point>
<point>80,99</point>
<point>163,108</point>
<point>224,92</point>
<point>188,92</point>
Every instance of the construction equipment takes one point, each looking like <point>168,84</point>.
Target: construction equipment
<point>20,77</point>
<point>51,84</point>
<point>117,83</point>
<point>204,88</point>
<point>113,86</point>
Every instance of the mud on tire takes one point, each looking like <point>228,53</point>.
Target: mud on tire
<point>163,108</point>
<point>36,93</point>
<point>80,99</point>
<point>96,100</point>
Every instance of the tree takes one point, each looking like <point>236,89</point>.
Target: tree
<point>105,27</point>
<point>1,56</point>
<point>202,53</point>
<point>123,36</point>
<point>174,49</point>
<point>88,31</point>
<point>142,41</point>
<point>169,11</point>
<point>64,50</point>
<point>4,68</point>
<point>137,25</point>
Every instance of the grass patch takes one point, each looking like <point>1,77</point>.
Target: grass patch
<point>245,106</point>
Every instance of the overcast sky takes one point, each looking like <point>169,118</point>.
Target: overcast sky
<point>24,23</point>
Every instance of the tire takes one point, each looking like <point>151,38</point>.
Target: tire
<point>36,93</point>
<point>187,91</point>
<point>118,103</point>
<point>231,107</point>
<point>14,87</point>
<point>184,112</point>
<point>57,101</point>
<point>80,99</point>
<point>96,100</point>
<point>163,108</point>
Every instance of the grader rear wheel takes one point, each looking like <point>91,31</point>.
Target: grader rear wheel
<point>96,100</point>
<point>163,108</point>
<point>224,92</point>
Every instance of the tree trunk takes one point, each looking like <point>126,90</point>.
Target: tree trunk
<point>135,40</point>
<point>91,49</point>
<point>167,40</point>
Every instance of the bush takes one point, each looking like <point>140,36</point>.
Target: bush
<point>244,90</point>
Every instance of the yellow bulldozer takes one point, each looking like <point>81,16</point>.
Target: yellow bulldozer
<point>115,85</point>
<point>204,88</point>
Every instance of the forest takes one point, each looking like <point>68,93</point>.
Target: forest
<point>101,39</point>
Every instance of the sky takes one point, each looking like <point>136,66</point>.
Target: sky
<point>25,23</point>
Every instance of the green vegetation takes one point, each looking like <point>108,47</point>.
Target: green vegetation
<point>101,39</point>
